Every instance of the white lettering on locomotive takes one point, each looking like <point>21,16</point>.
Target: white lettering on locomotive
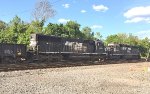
<point>9,52</point>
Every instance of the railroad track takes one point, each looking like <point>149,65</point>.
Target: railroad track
<point>28,66</point>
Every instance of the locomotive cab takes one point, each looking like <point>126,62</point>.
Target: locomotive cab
<point>100,53</point>
<point>99,46</point>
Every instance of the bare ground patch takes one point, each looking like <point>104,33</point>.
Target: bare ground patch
<point>125,78</point>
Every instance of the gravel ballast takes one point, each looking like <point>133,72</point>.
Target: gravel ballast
<point>125,78</point>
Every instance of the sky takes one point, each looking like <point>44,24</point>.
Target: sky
<point>105,16</point>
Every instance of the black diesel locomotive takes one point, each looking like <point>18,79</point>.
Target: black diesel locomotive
<point>56,48</point>
<point>52,48</point>
<point>122,51</point>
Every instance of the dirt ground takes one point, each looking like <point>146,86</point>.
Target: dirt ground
<point>125,78</point>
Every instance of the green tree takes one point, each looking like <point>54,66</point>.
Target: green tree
<point>122,38</point>
<point>2,25</point>
<point>15,31</point>
<point>98,35</point>
<point>73,29</point>
<point>112,39</point>
<point>17,27</point>
<point>24,38</point>
<point>144,45</point>
<point>37,26</point>
<point>132,40</point>
<point>6,36</point>
<point>55,29</point>
<point>87,32</point>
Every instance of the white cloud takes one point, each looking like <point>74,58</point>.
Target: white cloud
<point>100,8</point>
<point>62,20</point>
<point>138,11</point>
<point>138,14</point>
<point>66,5</point>
<point>138,19</point>
<point>83,11</point>
<point>143,34</point>
<point>96,27</point>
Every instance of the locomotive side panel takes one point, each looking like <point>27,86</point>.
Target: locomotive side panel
<point>78,46</point>
<point>114,51</point>
<point>72,45</point>
<point>45,48</point>
<point>45,44</point>
<point>124,51</point>
<point>90,46</point>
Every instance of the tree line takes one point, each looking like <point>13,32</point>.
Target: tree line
<point>18,31</point>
